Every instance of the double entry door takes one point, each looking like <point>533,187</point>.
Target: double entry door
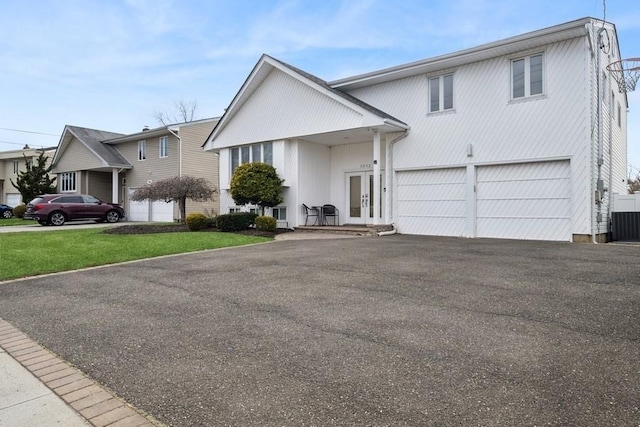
<point>360,197</point>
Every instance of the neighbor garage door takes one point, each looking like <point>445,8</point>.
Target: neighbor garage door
<point>524,201</point>
<point>431,202</point>
<point>157,211</point>
<point>13,199</point>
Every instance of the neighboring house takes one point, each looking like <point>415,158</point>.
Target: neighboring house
<point>111,166</point>
<point>521,138</point>
<point>13,162</point>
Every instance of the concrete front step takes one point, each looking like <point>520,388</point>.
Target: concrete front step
<point>361,230</point>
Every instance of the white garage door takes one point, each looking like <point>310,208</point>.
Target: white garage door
<point>157,211</point>
<point>431,202</point>
<point>161,211</point>
<point>524,201</point>
<point>13,199</point>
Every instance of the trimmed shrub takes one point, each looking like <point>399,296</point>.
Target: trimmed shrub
<point>266,223</point>
<point>19,211</point>
<point>236,221</point>
<point>197,221</point>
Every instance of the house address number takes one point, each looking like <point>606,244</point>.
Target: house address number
<point>365,166</point>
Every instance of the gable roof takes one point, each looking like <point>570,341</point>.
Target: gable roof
<point>267,64</point>
<point>92,139</point>
<point>159,131</point>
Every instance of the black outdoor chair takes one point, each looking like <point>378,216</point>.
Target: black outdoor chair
<point>311,212</point>
<point>330,211</point>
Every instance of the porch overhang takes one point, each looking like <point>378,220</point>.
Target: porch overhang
<point>281,102</point>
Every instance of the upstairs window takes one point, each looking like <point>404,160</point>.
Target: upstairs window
<point>142,150</point>
<point>527,76</point>
<point>441,93</point>
<point>16,167</point>
<point>67,182</point>
<point>164,147</point>
<point>251,154</point>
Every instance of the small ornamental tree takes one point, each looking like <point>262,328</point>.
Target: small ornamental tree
<point>35,179</point>
<point>177,189</point>
<point>256,184</point>
<point>634,184</point>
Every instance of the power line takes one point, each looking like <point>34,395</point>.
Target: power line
<point>29,131</point>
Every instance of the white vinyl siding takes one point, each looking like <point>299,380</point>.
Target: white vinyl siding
<point>67,182</point>
<point>527,76</point>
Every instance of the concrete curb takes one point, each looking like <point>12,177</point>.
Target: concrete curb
<point>44,389</point>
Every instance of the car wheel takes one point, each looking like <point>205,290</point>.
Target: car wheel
<point>7,214</point>
<point>57,218</point>
<point>112,216</point>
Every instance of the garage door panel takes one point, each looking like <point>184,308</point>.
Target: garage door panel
<point>534,189</point>
<point>522,208</point>
<point>161,211</point>
<point>524,201</point>
<point>431,201</point>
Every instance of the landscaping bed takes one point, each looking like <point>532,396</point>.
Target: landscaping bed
<point>177,228</point>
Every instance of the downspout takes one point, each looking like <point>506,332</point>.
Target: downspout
<point>179,150</point>
<point>600,160</point>
<point>390,184</point>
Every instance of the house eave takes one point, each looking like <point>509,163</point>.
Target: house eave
<point>495,49</point>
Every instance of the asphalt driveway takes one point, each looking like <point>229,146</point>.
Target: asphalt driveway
<point>399,330</point>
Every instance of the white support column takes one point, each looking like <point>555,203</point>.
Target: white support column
<point>388,181</point>
<point>114,185</point>
<point>376,177</point>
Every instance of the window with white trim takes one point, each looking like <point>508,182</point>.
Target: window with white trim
<point>253,153</point>
<point>441,93</point>
<point>164,147</point>
<point>142,150</point>
<point>619,116</point>
<point>67,182</point>
<point>279,213</point>
<point>527,76</point>
<point>16,167</point>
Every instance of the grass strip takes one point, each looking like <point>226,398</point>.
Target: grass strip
<point>28,254</point>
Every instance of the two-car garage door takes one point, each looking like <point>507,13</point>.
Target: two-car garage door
<point>514,201</point>
<point>157,211</point>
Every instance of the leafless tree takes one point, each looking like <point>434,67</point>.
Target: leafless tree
<point>177,189</point>
<point>185,112</point>
<point>634,184</point>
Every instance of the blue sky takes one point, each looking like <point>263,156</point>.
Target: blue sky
<point>113,64</point>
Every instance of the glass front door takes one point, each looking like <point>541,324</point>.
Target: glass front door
<point>360,197</point>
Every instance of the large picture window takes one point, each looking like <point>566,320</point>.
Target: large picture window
<point>253,153</point>
<point>441,93</point>
<point>67,182</point>
<point>527,76</point>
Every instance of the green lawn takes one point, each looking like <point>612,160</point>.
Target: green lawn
<point>16,221</point>
<point>29,253</point>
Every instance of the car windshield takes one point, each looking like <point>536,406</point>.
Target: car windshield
<point>36,201</point>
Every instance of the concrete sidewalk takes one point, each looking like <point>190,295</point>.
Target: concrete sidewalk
<point>39,389</point>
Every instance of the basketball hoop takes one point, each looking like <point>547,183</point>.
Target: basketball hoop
<point>626,73</point>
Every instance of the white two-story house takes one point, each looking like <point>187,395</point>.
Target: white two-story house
<point>522,138</point>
